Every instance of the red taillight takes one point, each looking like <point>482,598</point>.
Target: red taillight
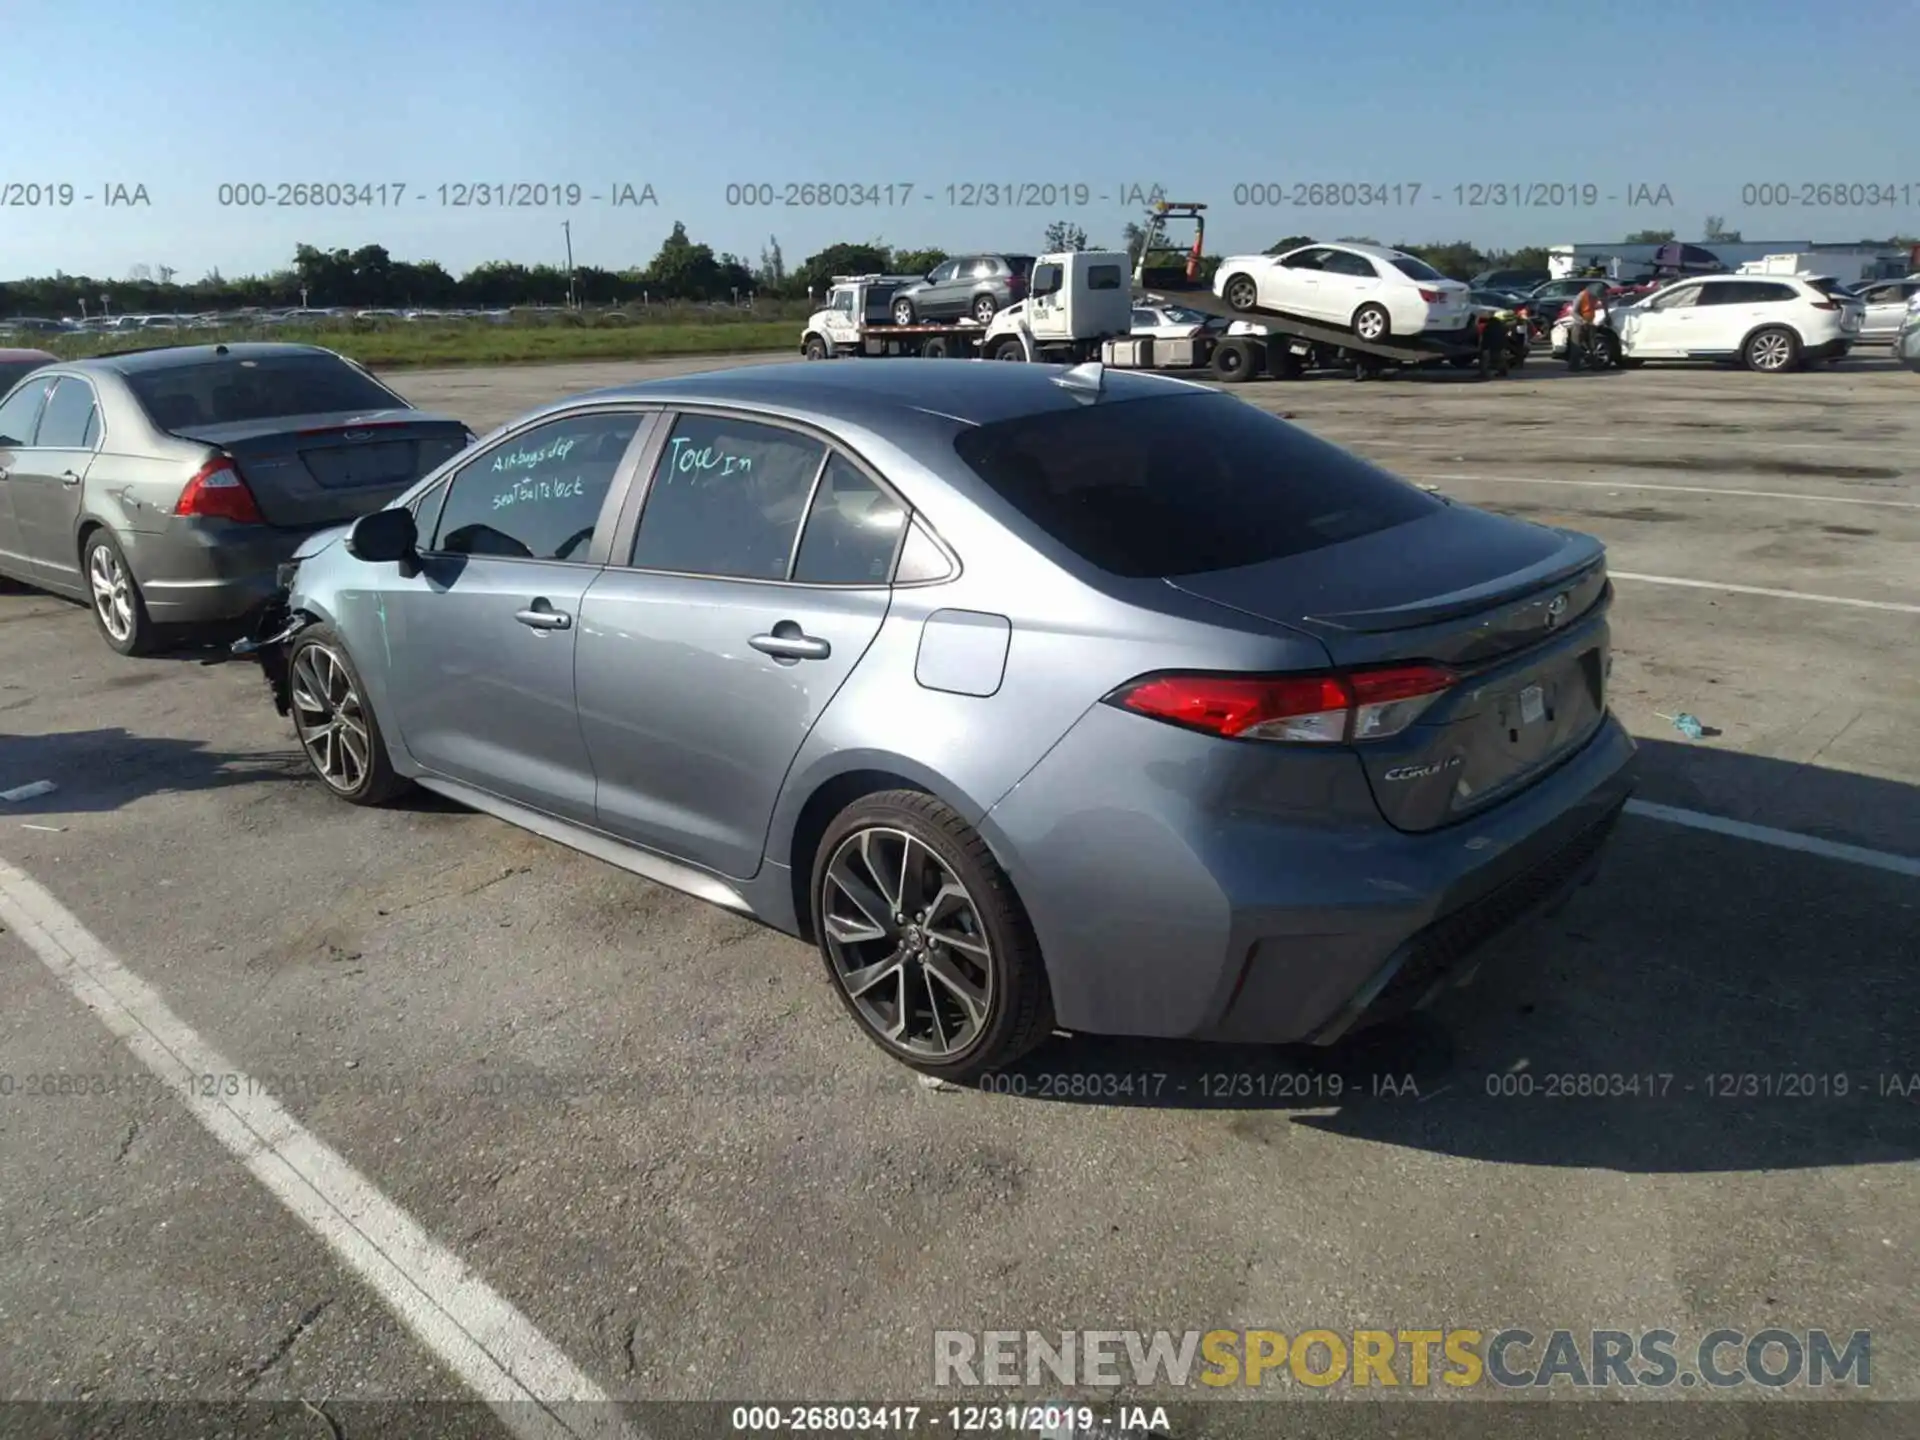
<point>1826,305</point>
<point>1432,297</point>
<point>1315,709</point>
<point>218,492</point>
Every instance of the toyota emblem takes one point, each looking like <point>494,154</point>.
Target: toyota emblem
<point>1556,608</point>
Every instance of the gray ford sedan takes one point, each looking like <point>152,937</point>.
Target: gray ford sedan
<point>1032,697</point>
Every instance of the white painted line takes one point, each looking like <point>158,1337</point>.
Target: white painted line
<point>1784,839</point>
<point>537,1392</point>
<point>1895,605</point>
<point>1675,489</point>
<point>1669,441</point>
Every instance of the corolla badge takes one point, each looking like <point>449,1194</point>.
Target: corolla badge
<point>1420,772</point>
<point>357,435</point>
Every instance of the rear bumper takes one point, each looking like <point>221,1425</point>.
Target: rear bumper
<point>203,571</point>
<point>1181,888</point>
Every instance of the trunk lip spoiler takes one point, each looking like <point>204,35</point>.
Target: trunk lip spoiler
<point>1462,603</point>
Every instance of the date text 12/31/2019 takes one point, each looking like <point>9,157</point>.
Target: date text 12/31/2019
<point>450,195</point>
<point>1043,1422</point>
<point>961,195</point>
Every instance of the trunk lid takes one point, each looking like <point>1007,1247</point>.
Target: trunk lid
<point>1518,610</point>
<point>323,469</point>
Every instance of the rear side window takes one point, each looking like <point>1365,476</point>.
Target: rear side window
<point>21,413</point>
<point>727,499</point>
<point>538,495</point>
<point>70,421</point>
<point>239,389</point>
<point>1184,484</point>
<point>1103,277</point>
<point>853,529</point>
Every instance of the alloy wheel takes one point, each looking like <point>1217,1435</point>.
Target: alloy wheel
<point>112,593</point>
<point>906,943</point>
<point>330,718</point>
<point>1771,351</point>
<point>1241,293</point>
<point>1371,325</point>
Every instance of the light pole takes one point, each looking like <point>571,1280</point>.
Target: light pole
<point>567,227</point>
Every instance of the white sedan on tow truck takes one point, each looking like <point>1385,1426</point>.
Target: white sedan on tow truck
<point>1376,292</point>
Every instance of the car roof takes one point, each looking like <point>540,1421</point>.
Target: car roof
<point>971,393</point>
<point>1360,247</point>
<point>168,357</point>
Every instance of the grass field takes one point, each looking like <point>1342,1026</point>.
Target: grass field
<point>403,346</point>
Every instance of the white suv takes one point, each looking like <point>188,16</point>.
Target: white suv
<point>1768,322</point>
<point>1372,290</point>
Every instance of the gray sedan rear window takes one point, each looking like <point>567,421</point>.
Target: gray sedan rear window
<point>1184,484</point>
<point>238,389</point>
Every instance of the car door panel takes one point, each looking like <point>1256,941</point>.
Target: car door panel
<point>49,483</point>
<point>691,728</point>
<point>704,662</point>
<point>19,419</point>
<point>478,646</point>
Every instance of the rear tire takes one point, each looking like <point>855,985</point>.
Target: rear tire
<point>903,312</point>
<point>954,970</point>
<point>1372,323</point>
<point>1232,362</point>
<point>119,610</point>
<point>934,349</point>
<point>1772,351</point>
<point>339,735</point>
<point>1241,293</point>
<point>985,307</point>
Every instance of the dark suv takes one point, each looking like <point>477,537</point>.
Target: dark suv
<point>967,285</point>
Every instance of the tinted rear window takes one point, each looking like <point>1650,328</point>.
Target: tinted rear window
<point>1416,269</point>
<point>13,371</point>
<point>1019,264</point>
<point>234,390</point>
<point>1184,484</point>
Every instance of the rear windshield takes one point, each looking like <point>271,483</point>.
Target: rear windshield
<point>1827,285</point>
<point>1184,484</point>
<point>1019,264</point>
<point>233,390</point>
<point>13,371</point>
<point>1416,269</point>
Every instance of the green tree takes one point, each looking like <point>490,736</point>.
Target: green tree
<point>1717,231</point>
<point>1458,259</point>
<point>1135,236</point>
<point>816,272</point>
<point>1065,236</point>
<point>683,270</point>
<point>917,262</point>
<point>1289,242</point>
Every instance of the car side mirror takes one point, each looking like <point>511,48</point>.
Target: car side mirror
<point>385,537</point>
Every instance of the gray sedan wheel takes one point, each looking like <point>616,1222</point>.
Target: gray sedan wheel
<point>926,943</point>
<point>118,608</point>
<point>338,732</point>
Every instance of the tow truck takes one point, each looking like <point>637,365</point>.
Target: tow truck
<point>1258,340</point>
<point>1075,302</point>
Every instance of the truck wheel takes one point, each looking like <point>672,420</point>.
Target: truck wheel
<point>815,348</point>
<point>985,307</point>
<point>1771,350</point>
<point>1241,293</point>
<point>1232,362</point>
<point>1010,349</point>
<point>903,312</point>
<point>934,349</point>
<point>1371,322</point>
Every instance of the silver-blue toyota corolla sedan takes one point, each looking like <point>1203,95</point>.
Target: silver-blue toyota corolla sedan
<point>1033,697</point>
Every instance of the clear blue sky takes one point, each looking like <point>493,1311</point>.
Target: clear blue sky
<point>1701,96</point>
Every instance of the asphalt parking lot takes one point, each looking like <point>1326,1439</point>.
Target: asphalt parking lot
<point>648,1126</point>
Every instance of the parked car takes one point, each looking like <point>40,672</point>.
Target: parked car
<point>16,365</point>
<point>1134,710</point>
<point>976,286</point>
<point>167,486</point>
<point>1885,303</point>
<point>1906,344</point>
<point>1518,282</point>
<point>1769,323</point>
<point>1374,291</point>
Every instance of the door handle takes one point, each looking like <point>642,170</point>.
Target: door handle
<point>542,616</point>
<point>788,643</point>
<point>67,477</point>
